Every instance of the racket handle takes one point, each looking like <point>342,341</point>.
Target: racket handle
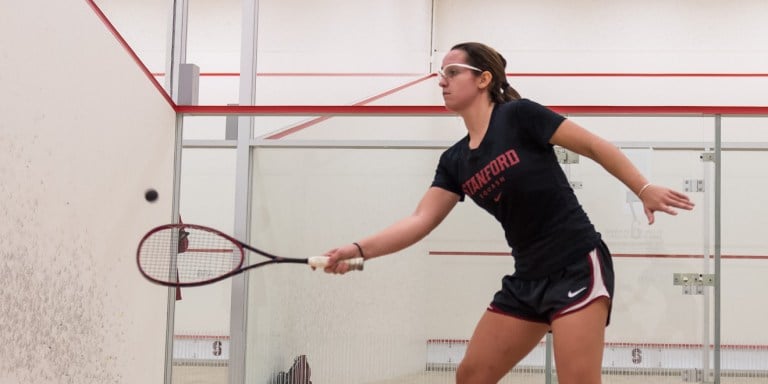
<point>355,264</point>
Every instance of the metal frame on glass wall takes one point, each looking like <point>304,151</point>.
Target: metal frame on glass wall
<point>239,296</point>
<point>176,56</point>
<point>718,175</point>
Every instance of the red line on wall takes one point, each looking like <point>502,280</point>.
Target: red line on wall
<point>663,109</point>
<point>661,256</point>
<point>436,110</point>
<point>512,74</point>
<point>467,253</point>
<point>615,255</point>
<point>333,74</point>
<point>313,110</point>
<point>130,51</point>
<point>304,74</point>
<point>317,120</point>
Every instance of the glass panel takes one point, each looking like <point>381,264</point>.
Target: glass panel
<point>656,328</point>
<point>367,327</point>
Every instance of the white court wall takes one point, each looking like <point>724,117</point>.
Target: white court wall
<point>82,134</point>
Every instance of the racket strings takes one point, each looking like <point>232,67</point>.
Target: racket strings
<point>187,255</point>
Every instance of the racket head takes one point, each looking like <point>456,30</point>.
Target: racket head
<point>188,255</point>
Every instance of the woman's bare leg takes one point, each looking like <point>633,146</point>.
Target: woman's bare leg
<point>498,344</point>
<point>579,340</point>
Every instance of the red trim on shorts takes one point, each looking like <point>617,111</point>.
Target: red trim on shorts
<point>561,314</point>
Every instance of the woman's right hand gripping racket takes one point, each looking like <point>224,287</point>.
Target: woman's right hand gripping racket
<point>188,255</point>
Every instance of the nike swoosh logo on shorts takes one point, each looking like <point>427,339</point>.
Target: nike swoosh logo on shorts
<point>573,294</point>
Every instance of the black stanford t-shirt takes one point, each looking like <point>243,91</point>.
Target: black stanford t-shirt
<point>515,176</point>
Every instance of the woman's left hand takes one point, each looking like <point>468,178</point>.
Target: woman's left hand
<point>660,198</point>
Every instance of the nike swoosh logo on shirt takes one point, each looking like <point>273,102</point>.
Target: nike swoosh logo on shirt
<point>573,294</point>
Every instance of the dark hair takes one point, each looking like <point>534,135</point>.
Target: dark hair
<point>486,58</point>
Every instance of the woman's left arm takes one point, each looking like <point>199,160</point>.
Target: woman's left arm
<point>573,137</point>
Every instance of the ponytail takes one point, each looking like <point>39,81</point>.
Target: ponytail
<point>508,93</point>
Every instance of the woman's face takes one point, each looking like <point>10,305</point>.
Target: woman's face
<point>460,81</point>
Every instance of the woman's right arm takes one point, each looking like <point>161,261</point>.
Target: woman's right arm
<point>432,209</point>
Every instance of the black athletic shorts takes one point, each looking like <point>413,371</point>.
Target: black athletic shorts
<point>563,292</point>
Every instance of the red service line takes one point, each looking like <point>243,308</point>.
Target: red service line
<point>615,255</point>
<point>313,110</point>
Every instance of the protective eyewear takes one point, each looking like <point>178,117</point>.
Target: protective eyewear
<point>452,70</point>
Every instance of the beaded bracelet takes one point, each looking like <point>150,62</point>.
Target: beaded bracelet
<point>359,248</point>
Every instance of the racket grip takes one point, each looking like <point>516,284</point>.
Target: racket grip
<point>355,264</point>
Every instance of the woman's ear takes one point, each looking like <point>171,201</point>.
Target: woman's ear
<point>485,80</point>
